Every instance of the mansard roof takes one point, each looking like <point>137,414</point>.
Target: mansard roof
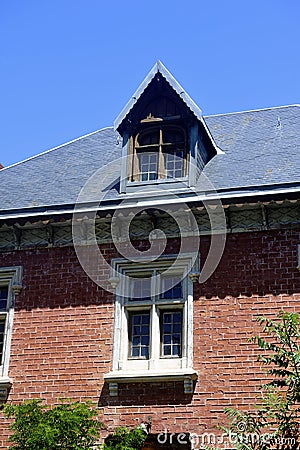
<point>260,155</point>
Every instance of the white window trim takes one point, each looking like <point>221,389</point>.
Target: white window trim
<point>12,278</point>
<point>156,368</point>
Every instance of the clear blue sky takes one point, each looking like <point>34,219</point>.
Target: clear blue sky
<point>69,66</point>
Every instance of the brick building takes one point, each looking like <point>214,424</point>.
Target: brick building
<point>134,260</point>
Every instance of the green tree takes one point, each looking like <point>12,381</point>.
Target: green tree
<point>273,423</point>
<point>125,439</point>
<point>64,426</point>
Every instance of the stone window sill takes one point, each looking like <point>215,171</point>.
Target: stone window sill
<point>186,375</point>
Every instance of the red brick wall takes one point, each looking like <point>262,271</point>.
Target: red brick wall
<point>63,329</point>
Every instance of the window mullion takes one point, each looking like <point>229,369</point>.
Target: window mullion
<point>121,336</point>
<point>161,161</point>
<point>155,337</point>
<point>155,331</point>
<point>135,169</point>
<point>3,334</point>
<point>185,161</point>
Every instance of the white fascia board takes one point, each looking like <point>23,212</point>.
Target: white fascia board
<point>218,149</point>
<point>151,203</point>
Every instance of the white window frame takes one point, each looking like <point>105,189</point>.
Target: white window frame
<point>10,277</point>
<point>157,367</point>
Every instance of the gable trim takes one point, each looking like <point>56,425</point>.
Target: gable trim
<point>158,67</point>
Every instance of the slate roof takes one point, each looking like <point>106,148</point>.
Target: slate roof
<point>260,151</point>
<point>261,148</point>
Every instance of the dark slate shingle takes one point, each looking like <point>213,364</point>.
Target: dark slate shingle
<point>261,148</point>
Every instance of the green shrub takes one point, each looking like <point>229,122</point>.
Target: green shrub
<point>273,423</point>
<point>64,426</point>
<point>125,439</point>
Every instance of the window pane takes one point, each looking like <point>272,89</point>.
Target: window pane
<point>148,162</point>
<point>146,318</point>
<point>145,352</point>
<point>177,328</point>
<point>171,287</point>
<point>167,327</point>
<point>136,320</point>
<point>174,163</point>
<point>171,333</point>
<point>135,341</point>
<point>177,317</point>
<point>2,328</point>
<point>176,338</point>
<point>167,350</point>
<point>135,352</point>
<point>140,335</point>
<point>3,298</point>
<point>167,318</point>
<point>167,338</point>
<point>176,349</point>
<point>140,288</point>
<point>136,331</point>
<point>152,176</point>
<point>145,330</point>
<point>145,340</point>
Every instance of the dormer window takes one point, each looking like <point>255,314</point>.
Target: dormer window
<point>166,141</point>
<point>159,152</point>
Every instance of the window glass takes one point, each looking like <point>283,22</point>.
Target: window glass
<point>171,333</point>
<point>3,298</point>
<point>171,287</point>
<point>160,152</point>
<point>140,286</point>
<point>140,335</point>
<point>174,164</point>
<point>148,166</point>
<point>2,329</point>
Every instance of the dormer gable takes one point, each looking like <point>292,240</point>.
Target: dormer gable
<point>165,138</point>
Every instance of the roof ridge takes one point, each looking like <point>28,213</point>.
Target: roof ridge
<point>253,110</point>
<point>56,148</point>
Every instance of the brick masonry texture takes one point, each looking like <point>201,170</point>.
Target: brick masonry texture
<point>63,333</point>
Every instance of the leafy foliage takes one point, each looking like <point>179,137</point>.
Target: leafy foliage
<point>274,422</point>
<point>65,426</point>
<point>125,439</point>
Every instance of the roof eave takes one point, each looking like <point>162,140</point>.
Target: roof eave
<point>225,196</point>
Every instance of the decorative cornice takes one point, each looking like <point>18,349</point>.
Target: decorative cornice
<point>239,218</point>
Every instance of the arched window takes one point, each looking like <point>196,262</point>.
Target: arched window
<point>159,152</point>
